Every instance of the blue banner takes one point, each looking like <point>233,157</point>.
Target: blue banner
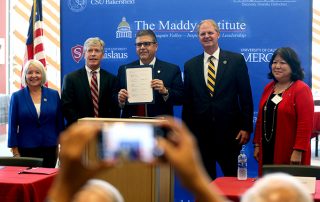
<point>254,28</point>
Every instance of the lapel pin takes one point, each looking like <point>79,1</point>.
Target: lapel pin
<point>224,62</point>
<point>45,99</point>
<point>159,71</point>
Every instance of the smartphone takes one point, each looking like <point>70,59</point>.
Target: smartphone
<point>129,141</point>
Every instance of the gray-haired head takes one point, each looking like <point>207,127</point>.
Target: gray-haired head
<point>93,41</point>
<point>39,66</point>
<point>98,190</point>
<point>277,187</point>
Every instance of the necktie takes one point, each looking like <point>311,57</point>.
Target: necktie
<point>211,76</point>
<point>95,93</point>
<point>141,110</point>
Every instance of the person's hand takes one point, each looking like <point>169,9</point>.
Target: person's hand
<point>73,173</point>
<point>243,137</point>
<point>122,96</point>
<point>158,85</point>
<point>256,153</point>
<point>15,152</point>
<point>296,157</point>
<point>181,151</point>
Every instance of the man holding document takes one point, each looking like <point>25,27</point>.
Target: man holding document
<point>148,86</point>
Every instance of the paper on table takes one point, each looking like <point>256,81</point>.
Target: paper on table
<point>139,84</point>
<point>38,170</point>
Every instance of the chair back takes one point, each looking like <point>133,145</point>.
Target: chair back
<point>295,170</point>
<point>21,161</point>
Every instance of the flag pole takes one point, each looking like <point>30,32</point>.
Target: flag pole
<point>34,20</point>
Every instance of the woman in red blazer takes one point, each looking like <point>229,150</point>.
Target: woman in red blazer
<point>285,117</point>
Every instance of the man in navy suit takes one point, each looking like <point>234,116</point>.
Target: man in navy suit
<point>167,82</point>
<point>76,93</point>
<point>220,119</point>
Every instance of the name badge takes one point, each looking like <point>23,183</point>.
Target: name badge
<point>276,99</point>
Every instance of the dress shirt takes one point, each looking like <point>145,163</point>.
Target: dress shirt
<point>38,108</point>
<point>90,75</point>
<point>151,63</point>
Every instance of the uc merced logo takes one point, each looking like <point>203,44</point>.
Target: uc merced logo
<point>124,30</point>
<point>77,5</point>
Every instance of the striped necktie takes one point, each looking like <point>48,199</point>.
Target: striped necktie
<point>211,76</point>
<point>95,93</point>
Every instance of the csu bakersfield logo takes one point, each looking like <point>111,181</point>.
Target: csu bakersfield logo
<point>77,5</point>
<point>77,53</point>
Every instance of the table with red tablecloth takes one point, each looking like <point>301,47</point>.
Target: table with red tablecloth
<point>23,187</point>
<point>232,188</point>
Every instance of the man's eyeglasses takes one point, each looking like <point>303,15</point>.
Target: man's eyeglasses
<point>145,44</point>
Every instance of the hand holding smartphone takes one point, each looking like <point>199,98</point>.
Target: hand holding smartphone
<point>129,141</point>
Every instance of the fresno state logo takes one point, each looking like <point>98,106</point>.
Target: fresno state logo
<point>77,53</point>
<point>77,5</point>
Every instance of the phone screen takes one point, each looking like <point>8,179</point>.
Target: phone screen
<point>128,141</point>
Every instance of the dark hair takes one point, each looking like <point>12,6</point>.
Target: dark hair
<point>291,57</point>
<point>147,32</point>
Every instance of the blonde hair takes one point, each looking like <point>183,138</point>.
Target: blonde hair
<point>39,66</point>
<point>214,24</point>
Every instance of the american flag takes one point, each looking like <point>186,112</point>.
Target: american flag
<point>34,43</point>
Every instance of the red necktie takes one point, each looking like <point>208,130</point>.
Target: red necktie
<point>141,110</point>
<point>95,93</point>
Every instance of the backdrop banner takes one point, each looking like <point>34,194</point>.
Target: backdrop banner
<point>253,28</point>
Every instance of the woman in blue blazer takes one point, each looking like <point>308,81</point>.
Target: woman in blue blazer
<point>35,117</point>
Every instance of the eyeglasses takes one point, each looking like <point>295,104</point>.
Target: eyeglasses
<point>145,44</point>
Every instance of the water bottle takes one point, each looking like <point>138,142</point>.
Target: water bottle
<point>242,164</point>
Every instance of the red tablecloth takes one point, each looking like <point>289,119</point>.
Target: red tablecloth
<point>233,188</point>
<point>23,187</point>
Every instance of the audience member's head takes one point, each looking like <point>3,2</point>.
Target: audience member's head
<point>277,187</point>
<point>99,191</point>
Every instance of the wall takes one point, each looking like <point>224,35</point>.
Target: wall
<point>3,80</point>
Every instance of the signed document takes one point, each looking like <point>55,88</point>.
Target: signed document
<point>138,80</point>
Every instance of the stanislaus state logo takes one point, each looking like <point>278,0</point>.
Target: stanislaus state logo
<point>77,52</point>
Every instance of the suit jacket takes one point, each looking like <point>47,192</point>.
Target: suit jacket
<point>170,74</point>
<point>76,96</point>
<point>230,109</point>
<point>294,123</point>
<point>26,129</point>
